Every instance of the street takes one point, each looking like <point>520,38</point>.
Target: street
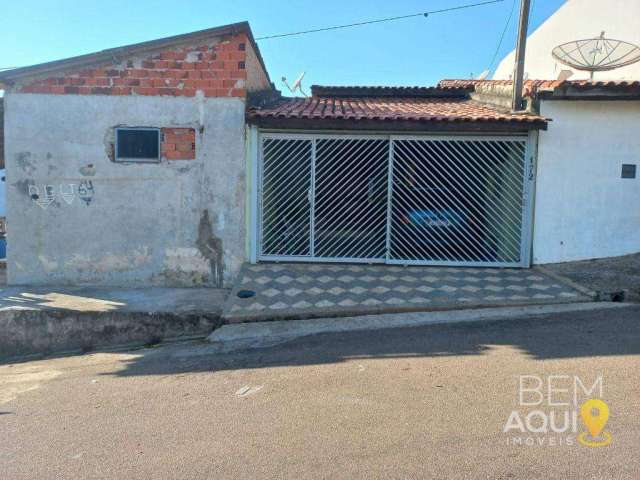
<point>427,402</point>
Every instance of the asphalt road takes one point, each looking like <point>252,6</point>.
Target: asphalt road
<point>426,402</point>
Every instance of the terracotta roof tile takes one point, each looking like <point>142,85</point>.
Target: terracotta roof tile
<point>386,108</point>
<point>531,87</point>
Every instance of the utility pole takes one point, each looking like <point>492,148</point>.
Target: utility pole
<point>521,46</point>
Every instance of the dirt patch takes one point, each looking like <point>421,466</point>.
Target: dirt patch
<point>616,278</point>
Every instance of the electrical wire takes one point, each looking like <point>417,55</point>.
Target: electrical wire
<point>369,22</point>
<point>504,31</point>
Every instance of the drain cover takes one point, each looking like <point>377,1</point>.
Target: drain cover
<point>246,294</point>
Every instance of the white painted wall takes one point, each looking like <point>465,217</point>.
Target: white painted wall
<point>3,194</point>
<point>583,208</point>
<point>576,20</point>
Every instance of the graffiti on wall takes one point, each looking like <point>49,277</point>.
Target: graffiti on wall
<point>45,195</point>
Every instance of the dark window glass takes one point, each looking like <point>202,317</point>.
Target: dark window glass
<point>628,171</point>
<point>138,144</point>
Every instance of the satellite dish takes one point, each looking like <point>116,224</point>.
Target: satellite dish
<point>596,54</point>
<point>483,75</point>
<point>297,85</point>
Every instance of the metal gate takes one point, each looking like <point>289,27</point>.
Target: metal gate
<point>395,199</point>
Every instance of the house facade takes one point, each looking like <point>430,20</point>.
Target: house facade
<point>127,167</point>
<point>174,161</point>
<point>409,176</point>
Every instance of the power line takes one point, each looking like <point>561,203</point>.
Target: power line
<point>369,22</point>
<point>504,31</point>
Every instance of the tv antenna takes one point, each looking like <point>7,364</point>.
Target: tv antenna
<point>596,54</point>
<point>297,85</point>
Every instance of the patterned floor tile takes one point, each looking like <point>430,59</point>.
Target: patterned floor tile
<point>290,289</point>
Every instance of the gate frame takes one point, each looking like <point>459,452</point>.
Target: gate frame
<point>255,166</point>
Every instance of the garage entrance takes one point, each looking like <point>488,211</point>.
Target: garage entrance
<point>424,200</point>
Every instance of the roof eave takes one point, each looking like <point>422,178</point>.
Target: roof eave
<point>445,125</point>
<point>591,92</point>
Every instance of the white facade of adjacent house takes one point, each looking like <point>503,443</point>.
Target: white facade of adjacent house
<point>583,208</point>
<point>576,20</point>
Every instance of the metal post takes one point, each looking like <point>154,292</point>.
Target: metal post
<point>521,46</point>
<point>253,186</point>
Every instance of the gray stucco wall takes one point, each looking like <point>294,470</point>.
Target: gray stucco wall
<point>139,223</point>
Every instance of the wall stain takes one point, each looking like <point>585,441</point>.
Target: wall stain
<point>23,160</point>
<point>22,186</point>
<point>210,247</point>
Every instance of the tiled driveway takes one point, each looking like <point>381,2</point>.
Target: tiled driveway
<point>305,290</point>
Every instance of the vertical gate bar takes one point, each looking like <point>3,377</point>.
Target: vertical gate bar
<point>529,185</point>
<point>254,182</point>
<point>389,197</point>
<point>312,202</point>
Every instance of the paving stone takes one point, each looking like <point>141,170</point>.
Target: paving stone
<point>312,287</point>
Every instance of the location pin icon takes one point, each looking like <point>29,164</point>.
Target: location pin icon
<point>595,414</point>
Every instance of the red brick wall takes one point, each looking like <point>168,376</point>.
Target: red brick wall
<point>217,70</point>
<point>178,143</point>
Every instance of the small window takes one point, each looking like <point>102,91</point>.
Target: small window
<point>137,145</point>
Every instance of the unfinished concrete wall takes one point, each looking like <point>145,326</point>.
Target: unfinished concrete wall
<point>76,217</point>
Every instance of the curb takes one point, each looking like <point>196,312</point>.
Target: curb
<point>244,336</point>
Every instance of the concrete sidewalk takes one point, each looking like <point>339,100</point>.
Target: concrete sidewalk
<point>46,320</point>
<point>297,291</point>
<point>109,299</point>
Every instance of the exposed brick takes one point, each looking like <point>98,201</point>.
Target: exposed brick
<point>100,90</point>
<point>215,73</point>
<point>184,147</point>
<point>178,143</point>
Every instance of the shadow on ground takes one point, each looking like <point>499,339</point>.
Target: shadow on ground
<point>569,335</point>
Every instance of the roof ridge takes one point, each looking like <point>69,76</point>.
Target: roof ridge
<point>109,54</point>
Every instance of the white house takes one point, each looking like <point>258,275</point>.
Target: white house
<point>577,20</point>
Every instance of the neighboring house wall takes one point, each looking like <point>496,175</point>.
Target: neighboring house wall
<point>578,20</point>
<point>77,217</point>
<point>584,209</point>
<point>1,132</point>
<point>3,202</point>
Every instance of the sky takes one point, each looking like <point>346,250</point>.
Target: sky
<point>415,51</point>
